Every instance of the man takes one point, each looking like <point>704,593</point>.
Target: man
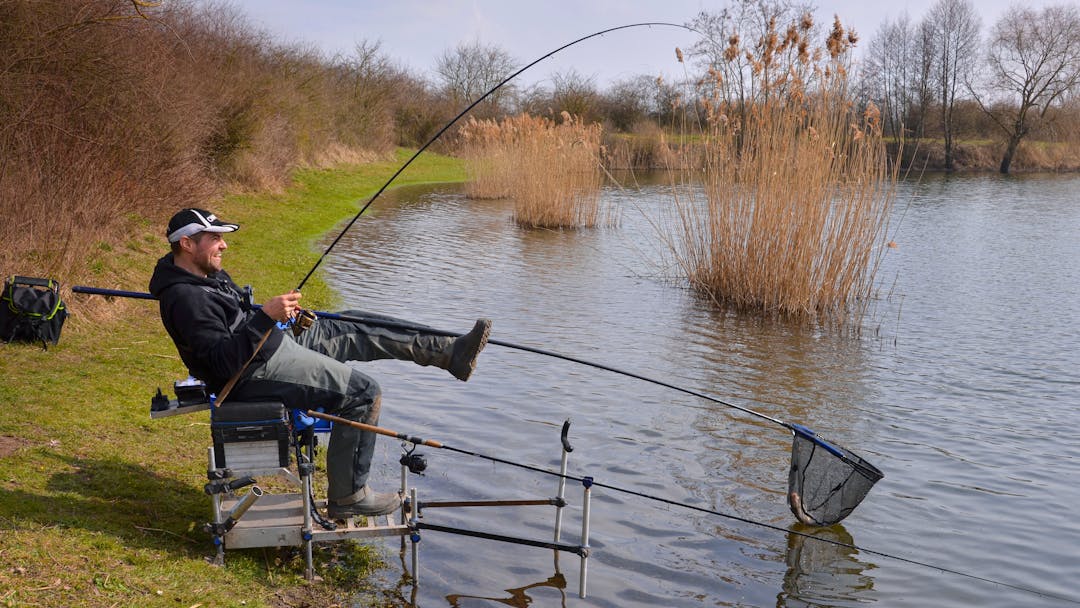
<point>216,332</point>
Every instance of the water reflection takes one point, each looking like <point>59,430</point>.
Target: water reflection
<point>519,597</point>
<point>547,592</point>
<point>823,573</point>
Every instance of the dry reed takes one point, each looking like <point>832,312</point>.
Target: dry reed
<point>551,170</point>
<point>798,192</point>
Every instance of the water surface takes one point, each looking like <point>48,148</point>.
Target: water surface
<point>962,389</point>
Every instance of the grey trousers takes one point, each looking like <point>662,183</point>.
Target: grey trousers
<point>309,372</point>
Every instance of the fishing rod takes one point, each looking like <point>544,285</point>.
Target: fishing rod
<point>472,105</point>
<point>825,481</point>
<point>591,482</point>
<point>824,485</point>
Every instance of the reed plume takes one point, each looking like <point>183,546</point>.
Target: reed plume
<point>798,192</point>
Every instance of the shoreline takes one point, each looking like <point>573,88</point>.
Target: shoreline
<point>973,158</point>
<point>104,506</point>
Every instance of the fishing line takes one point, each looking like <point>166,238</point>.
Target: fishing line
<point>436,444</point>
<point>589,481</point>
<point>462,114</point>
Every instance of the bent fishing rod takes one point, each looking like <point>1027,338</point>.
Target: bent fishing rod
<point>434,138</point>
<point>591,482</point>
<point>460,115</point>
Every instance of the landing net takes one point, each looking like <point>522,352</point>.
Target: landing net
<point>826,482</point>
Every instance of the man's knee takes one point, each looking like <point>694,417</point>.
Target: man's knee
<point>372,416</point>
<point>364,399</point>
<point>363,386</point>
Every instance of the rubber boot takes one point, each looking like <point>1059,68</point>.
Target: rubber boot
<point>465,349</point>
<point>369,503</point>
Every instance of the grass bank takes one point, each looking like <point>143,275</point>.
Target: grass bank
<point>101,506</point>
<point>984,156</point>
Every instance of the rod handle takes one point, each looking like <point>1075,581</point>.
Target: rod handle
<point>431,443</point>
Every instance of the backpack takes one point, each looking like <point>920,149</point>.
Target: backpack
<point>31,310</point>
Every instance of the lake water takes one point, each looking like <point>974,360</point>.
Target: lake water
<point>962,389</point>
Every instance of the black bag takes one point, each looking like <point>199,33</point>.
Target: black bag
<point>31,310</point>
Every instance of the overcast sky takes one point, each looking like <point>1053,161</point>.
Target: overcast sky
<point>415,32</point>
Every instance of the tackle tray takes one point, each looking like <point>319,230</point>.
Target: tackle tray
<point>250,434</point>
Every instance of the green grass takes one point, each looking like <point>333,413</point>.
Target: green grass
<point>101,506</point>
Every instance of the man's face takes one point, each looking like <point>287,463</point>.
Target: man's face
<point>206,251</point>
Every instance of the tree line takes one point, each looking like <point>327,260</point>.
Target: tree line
<point>149,102</point>
<point>1021,79</point>
<point>936,80</point>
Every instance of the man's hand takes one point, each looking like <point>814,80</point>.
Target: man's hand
<point>282,308</point>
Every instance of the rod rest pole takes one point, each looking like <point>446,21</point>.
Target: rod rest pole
<point>238,510</point>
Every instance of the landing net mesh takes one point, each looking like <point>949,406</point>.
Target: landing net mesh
<point>826,482</point>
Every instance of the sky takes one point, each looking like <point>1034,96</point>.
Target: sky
<point>413,33</point>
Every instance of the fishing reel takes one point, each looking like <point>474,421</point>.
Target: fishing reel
<point>416,463</point>
<point>303,321</point>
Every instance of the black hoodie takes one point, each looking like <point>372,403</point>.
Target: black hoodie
<point>211,323</point>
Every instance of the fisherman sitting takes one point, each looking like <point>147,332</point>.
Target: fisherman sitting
<point>219,336</point>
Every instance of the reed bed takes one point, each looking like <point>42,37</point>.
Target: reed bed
<point>550,169</point>
<point>798,192</point>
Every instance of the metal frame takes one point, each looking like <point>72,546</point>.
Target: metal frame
<point>284,519</point>
<point>254,518</point>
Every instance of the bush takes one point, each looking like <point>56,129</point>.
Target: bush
<point>116,110</point>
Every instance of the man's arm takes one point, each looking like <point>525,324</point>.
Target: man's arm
<point>219,344</point>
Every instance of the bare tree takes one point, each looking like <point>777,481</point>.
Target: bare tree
<point>371,83</point>
<point>472,69</point>
<point>730,34</point>
<point>924,89</point>
<point>1034,61</point>
<point>895,76</point>
<point>576,94</point>
<point>953,28</point>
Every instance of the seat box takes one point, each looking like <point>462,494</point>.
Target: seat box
<point>250,435</point>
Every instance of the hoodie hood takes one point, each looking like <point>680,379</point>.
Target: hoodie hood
<point>167,274</point>
<point>211,323</point>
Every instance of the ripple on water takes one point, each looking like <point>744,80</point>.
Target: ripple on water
<point>963,392</point>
